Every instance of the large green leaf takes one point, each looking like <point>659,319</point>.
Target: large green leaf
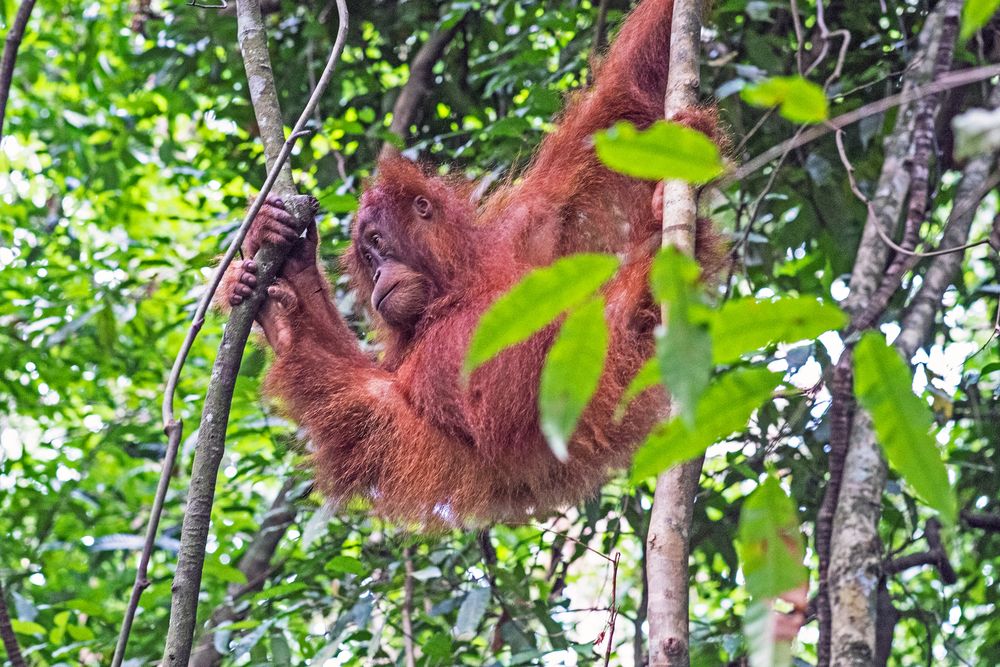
<point>975,14</point>
<point>744,325</point>
<point>770,542</point>
<point>535,302</point>
<point>665,150</point>
<point>647,378</point>
<point>724,408</point>
<point>571,373</point>
<point>758,627</point>
<point>684,351</point>
<point>903,422</point>
<point>797,99</point>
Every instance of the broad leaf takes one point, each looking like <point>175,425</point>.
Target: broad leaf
<point>797,99</point>
<point>647,378</point>
<point>903,422</point>
<point>975,14</point>
<point>471,613</point>
<point>724,408</point>
<point>745,325</point>
<point>977,132</point>
<point>770,542</point>
<point>674,278</point>
<point>571,373</point>
<point>758,626</point>
<point>535,302</point>
<point>665,150</point>
<point>685,355</point>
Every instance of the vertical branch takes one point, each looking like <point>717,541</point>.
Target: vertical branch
<point>7,633</point>
<point>218,400</point>
<point>854,569</point>
<point>256,566</point>
<point>404,111</point>
<point>13,42</point>
<point>667,542</point>
<point>408,650</point>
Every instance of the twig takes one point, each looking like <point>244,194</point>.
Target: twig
<point>211,438</point>
<point>7,633</point>
<point>613,611</point>
<point>10,47</point>
<point>943,83</point>
<point>411,658</point>
<point>936,555</point>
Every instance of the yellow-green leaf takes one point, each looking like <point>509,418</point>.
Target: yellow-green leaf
<point>665,150</point>
<point>903,423</point>
<point>799,100</point>
<point>535,302</point>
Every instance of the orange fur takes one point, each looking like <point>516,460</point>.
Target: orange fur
<point>403,431</point>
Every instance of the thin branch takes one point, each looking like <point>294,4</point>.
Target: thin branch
<point>10,47</point>
<point>7,633</point>
<point>255,564</point>
<point>668,539</point>
<point>412,95</point>
<point>981,520</point>
<point>943,83</point>
<point>408,649</point>
<point>215,416</point>
<point>936,555</point>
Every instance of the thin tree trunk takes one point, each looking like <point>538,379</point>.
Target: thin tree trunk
<point>855,549</point>
<point>668,539</point>
<point>13,42</point>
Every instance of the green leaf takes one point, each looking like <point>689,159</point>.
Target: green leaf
<point>26,627</point>
<point>674,278</point>
<point>535,302</point>
<point>975,14</point>
<point>647,378</point>
<point>665,150</point>
<point>685,355</point>
<point>744,325</point>
<point>763,650</point>
<point>799,100</point>
<point>571,373</point>
<point>471,613</point>
<point>346,564</point>
<point>903,422</point>
<point>770,542</point>
<point>724,408</point>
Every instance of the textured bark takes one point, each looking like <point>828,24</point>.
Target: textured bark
<point>256,566</point>
<point>7,633</point>
<point>668,539</point>
<point>11,45</point>
<point>855,554</point>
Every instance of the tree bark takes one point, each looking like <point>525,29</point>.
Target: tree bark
<point>10,47</point>
<point>256,566</point>
<point>404,111</point>
<point>668,540</point>
<point>7,633</point>
<point>855,552</point>
<point>215,414</point>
